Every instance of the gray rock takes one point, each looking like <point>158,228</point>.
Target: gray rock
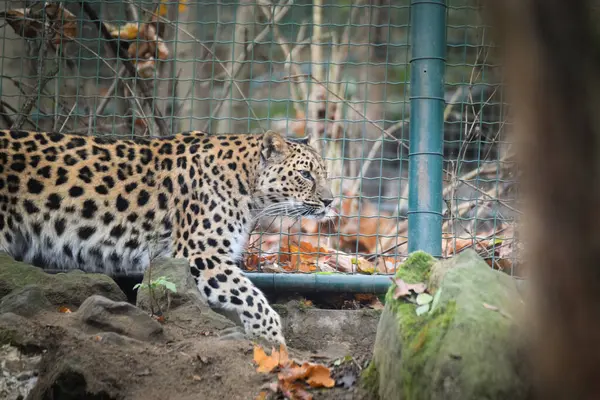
<point>176,271</point>
<point>101,314</point>
<point>26,301</point>
<point>116,339</point>
<point>69,289</point>
<point>333,332</point>
<point>470,346</point>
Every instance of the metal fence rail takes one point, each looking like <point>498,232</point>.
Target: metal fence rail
<point>402,98</point>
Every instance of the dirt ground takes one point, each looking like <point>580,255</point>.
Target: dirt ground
<point>189,361</point>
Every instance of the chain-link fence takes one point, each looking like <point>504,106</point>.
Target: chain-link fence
<point>337,71</point>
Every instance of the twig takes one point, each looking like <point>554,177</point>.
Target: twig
<point>375,256</point>
<point>120,52</point>
<point>7,120</point>
<point>371,155</point>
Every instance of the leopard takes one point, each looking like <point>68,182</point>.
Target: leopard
<point>111,205</point>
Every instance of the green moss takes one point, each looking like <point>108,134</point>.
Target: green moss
<point>369,379</point>
<point>416,268</point>
<point>424,340</point>
<point>70,288</point>
<point>421,335</point>
<point>7,336</point>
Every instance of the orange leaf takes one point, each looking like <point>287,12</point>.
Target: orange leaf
<point>268,363</point>
<point>294,391</point>
<point>320,376</point>
<point>261,396</point>
<point>64,309</point>
<point>265,363</point>
<point>294,373</point>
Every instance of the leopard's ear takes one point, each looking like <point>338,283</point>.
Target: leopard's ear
<point>274,147</point>
<point>302,140</point>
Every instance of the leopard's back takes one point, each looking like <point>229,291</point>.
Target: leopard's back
<point>70,201</point>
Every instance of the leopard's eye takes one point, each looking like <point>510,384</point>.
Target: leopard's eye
<point>306,174</point>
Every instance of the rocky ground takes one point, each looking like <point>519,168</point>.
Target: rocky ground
<point>76,336</point>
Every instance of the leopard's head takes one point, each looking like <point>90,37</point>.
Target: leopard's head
<point>291,179</point>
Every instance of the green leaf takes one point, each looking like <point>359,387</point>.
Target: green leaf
<point>170,286</point>
<point>436,298</point>
<point>422,309</point>
<point>424,298</point>
<point>137,286</point>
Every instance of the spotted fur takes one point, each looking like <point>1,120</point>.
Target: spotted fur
<point>112,205</point>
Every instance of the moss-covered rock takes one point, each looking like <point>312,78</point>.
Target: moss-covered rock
<point>468,346</point>
<point>175,273</point>
<point>26,301</point>
<point>69,289</point>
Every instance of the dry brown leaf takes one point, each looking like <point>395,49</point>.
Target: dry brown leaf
<point>403,289</point>
<point>63,309</point>
<point>363,266</point>
<point>268,363</point>
<point>301,257</point>
<point>294,391</point>
<point>320,376</point>
<point>265,363</point>
<point>262,396</point>
<point>23,22</point>
<point>64,23</point>
<point>293,373</point>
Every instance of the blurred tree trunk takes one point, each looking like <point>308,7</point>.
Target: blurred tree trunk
<point>552,65</point>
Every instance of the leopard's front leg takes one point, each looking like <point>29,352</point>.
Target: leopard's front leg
<point>223,285</point>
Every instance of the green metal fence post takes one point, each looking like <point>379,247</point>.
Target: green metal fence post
<point>428,49</point>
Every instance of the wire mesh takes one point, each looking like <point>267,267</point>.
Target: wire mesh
<point>337,71</point>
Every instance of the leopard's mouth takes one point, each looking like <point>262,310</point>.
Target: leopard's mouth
<point>322,213</point>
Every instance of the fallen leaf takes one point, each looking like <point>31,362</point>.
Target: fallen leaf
<point>197,377</point>
<point>264,362</point>
<point>363,266</point>
<point>424,298</point>
<point>64,309</point>
<point>261,396</point>
<point>294,373</point>
<point>422,309</point>
<point>293,391</point>
<point>320,376</point>
<point>436,298</point>
<point>268,363</point>
<point>348,380</point>
<point>403,289</point>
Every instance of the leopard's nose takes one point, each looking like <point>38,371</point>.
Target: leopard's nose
<point>327,202</point>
